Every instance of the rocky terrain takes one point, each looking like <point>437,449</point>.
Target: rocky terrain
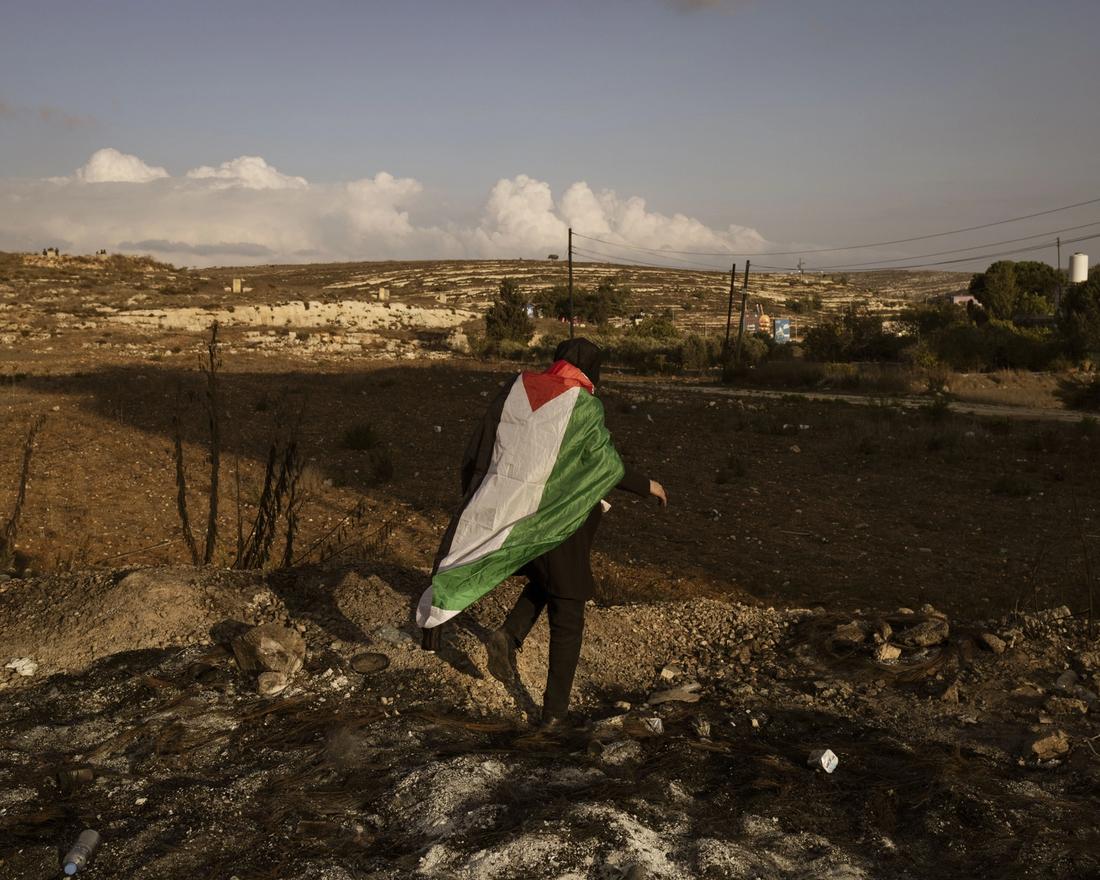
<point>327,744</point>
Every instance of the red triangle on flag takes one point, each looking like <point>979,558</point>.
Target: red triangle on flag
<point>541,388</point>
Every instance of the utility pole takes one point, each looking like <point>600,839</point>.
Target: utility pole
<point>744,299</point>
<point>570,282</point>
<point>729,313</point>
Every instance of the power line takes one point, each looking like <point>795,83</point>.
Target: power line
<point>851,247</point>
<point>976,257</point>
<point>974,247</point>
<point>620,260</point>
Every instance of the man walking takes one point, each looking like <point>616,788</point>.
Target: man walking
<point>533,478</point>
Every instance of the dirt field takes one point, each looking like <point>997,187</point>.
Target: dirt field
<point>789,517</point>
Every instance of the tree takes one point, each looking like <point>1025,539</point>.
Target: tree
<point>996,289</point>
<point>507,318</point>
<point>1079,318</point>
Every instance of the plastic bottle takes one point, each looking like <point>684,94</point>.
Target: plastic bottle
<point>81,852</point>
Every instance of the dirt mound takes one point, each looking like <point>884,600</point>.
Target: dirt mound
<point>65,622</point>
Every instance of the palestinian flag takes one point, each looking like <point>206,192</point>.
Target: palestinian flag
<point>552,462</point>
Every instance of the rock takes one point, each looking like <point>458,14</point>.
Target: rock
<point>925,635</point>
<point>883,631</point>
<point>1065,706</point>
<point>671,671</point>
<point>271,683</point>
<point>1050,746</point>
<point>850,633</point>
<point>685,693</point>
<point>1066,680</point>
<point>270,648</point>
<point>993,643</point>
<point>622,706</point>
<point>823,759</point>
<point>24,666</point>
<point>887,653</point>
<point>951,694</point>
<point>369,662</point>
<point>392,635</point>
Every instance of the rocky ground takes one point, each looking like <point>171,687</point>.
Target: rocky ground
<point>966,748</point>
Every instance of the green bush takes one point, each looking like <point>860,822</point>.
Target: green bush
<point>507,318</point>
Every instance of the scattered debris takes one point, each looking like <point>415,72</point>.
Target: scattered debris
<point>81,852</point>
<point>270,647</point>
<point>369,662</point>
<point>1050,746</point>
<point>24,666</point>
<point>685,693</point>
<point>927,634</point>
<point>823,759</point>
<point>271,683</point>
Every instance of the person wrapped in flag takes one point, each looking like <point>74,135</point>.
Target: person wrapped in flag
<point>534,477</point>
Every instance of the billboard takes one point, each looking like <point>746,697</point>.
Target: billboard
<point>782,331</point>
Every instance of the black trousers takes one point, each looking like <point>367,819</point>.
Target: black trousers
<point>566,618</point>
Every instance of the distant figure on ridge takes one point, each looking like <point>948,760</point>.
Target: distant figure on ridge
<point>533,479</point>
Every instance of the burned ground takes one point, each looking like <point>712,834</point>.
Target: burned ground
<point>903,584</point>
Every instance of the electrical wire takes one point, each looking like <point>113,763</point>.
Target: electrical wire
<point>851,247</point>
<point>961,250</point>
<point>977,257</point>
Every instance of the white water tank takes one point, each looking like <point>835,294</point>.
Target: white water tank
<point>1078,268</point>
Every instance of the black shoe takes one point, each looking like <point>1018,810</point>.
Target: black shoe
<point>502,657</point>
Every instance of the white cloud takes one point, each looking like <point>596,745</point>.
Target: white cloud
<point>111,166</point>
<point>245,211</point>
<point>250,172</point>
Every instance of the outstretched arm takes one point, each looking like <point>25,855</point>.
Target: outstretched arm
<point>639,484</point>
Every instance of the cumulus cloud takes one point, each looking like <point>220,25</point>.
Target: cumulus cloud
<point>111,166</point>
<point>250,172</point>
<point>246,211</point>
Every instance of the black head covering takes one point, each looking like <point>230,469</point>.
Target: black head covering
<point>583,355</point>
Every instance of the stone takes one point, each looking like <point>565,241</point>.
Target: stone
<point>823,759</point>
<point>1065,706</point>
<point>24,666</point>
<point>850,633</point>
<point>927,634</point>
<point>1051,746</point>
<point>993,643</point>
<point>951,694</point>
<point>671,671</point>
<point>1066,680</point>
<point>685,693</point>
<point>270,648</point>
<point>271,683</point>
<point>887,653</point>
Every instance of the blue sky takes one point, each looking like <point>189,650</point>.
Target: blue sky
<point>808,123</point>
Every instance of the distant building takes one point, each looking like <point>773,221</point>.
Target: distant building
<point>961,298</point>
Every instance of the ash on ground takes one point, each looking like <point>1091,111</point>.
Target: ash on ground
<point>965,748</point>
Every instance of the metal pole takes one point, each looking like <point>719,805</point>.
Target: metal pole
<point>744,299</point>
<point>570,282</point>
<point>729,312</point>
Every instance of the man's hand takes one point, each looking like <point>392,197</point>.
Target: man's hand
<point>658,492</point>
